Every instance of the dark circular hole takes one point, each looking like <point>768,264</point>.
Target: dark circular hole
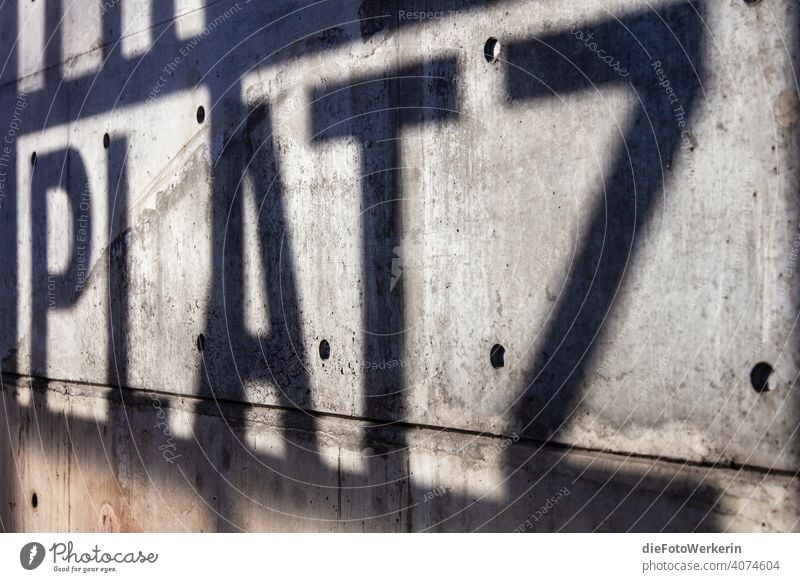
<point>324,349</point>
<point>33,159</point>
<point>759,377</point>
<point>491,50</point>
<point>201,114</point>
<point>498,356</point>
<point>34,500</point>
<point>106,141</point>
<point>201,343</point>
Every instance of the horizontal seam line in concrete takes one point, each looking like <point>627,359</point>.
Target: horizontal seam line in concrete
<point>550,446</point>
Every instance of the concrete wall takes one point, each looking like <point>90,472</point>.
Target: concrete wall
<point>199,195</point>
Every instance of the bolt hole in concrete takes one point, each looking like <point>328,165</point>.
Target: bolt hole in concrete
<point>201,114</point>
<point>324,349</point>
<point>33,159</point>
<point>34,500</point>
<point>759,377</point>
<point>201,343</point>
<point>491,50</point>
<point>498,356</point>
<point>106,141</point>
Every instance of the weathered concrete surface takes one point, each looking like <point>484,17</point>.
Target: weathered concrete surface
<point>122,481</point>
<point>366,177</point>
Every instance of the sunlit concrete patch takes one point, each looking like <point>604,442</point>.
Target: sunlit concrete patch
<point>81,38</point>
<point>192,21</point>
<point>268,443</point>
<point>437,474</point>
<point>24,393</point>
<point>31,41</point>
<point>60,229</point>
<point>344,459</point>
<point>180,423</point>
<point>135,44</point>
<point>257,314</point>
<point>91,409</point>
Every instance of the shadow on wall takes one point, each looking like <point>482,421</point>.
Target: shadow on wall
<point>216,466</point>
